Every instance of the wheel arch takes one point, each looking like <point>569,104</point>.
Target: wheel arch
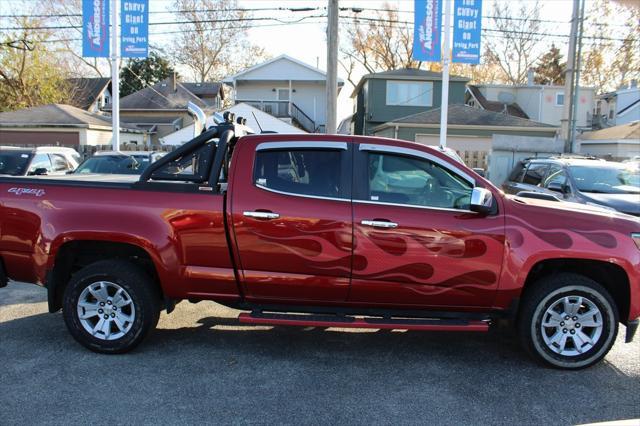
<point>73,255</point>
<point>610,275</point>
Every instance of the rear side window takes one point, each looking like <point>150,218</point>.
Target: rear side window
<point>535,173</point>
<point>300,171</point>
<point>518,172</point>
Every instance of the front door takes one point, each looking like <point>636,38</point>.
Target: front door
<point>283,102</point>
<point>416,241</point>
<point>292,220</point>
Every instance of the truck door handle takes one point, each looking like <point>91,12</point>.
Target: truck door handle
<point>262,215</point>
<point>379,223</point>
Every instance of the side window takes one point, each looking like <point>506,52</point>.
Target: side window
<point>414,181</point>
<point>58,163</point>
<point>535,173</point>
<point>40,161</point>
<point>556,178</point>
<point>300,171</point>
<point>518,172</point>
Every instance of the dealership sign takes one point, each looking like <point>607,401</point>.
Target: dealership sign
<point>95,28</point>
<point>134,28</point>
<point>467,27</point>
<point>427,30</point>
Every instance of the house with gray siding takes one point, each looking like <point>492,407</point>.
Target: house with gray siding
<point>385,96</point>
<point>286,88</point>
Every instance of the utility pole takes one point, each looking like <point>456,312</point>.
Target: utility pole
<point>115,77</point>
<point>569,80</point>
<point>332,67</point>
<point>574,113</point>
<point>444,105</point>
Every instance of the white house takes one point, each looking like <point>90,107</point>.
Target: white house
<point>285,88</point>
<point>619,107</point>
<point>541,103</point>
<point>259,121</point>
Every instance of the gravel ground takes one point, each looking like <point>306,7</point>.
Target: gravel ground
<point>201,366</point>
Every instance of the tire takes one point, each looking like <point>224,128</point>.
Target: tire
<point>556,341</point>
<point>116,321</point>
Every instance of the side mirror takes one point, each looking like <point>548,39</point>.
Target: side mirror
<point>481,201</point>
<point>557,187</point>
<point>38,172</point>
<point>479,170</point>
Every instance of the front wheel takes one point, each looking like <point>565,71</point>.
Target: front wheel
<point>110,306</point>
<point>568,321</point>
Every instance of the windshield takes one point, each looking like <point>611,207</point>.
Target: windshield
<point>115,164</point>
<point>14,163</point>
<point>610,179</point>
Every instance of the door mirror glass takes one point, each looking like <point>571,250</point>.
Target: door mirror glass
<point>557,187</point>
<point>481,201</point>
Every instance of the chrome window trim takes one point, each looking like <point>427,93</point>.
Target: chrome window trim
<point>293,194</point>
<point>413,206</point>
<point>266,146</point>
<point>415,153</point>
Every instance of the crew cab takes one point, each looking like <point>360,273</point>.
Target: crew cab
<point>325,231</point>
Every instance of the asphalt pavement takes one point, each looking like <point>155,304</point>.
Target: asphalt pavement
<point>202,366</point>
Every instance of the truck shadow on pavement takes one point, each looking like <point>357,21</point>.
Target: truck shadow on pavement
<point>345,376</point>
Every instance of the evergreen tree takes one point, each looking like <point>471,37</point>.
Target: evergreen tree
<point>140,73</point>
<point>551,69</point>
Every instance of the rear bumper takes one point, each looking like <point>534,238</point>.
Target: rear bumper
<point>632,328</point>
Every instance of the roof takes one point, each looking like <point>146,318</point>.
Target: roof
<point>85,91</point>
<point>55,115</point>
<point>205,89</point>
<point>161,96</point>
<point>629,131</point>
<point>496,106</point>
<point>464,115</point>
<point>405,74</point>
<point>318,71</point>
<point>629,107</point>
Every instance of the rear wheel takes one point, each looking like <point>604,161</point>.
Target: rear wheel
<point>110,306</point>
<point>568,321</point>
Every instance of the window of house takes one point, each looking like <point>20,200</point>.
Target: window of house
<point>300,171</point>
<point>535,173</point>
<point>398,179</point>
<point>559,98</point>
<point>410,93</point>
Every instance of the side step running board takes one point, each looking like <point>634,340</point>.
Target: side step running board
<point>353,322</point>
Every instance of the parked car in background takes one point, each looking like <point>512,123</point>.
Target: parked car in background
<point>119,162</point>
<point>45,160</point>
<point>606,184</point>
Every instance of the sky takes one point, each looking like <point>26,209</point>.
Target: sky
<point>306,40</point>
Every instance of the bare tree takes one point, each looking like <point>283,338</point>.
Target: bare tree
<point>30,74</point>
<point>516,46</point>
<point>213,43</point>
<point>378,44</point>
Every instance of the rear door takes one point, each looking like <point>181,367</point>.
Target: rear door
<point>292,219</point>
<point>416,243</point>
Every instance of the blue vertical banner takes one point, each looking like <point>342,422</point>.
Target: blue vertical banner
<point>427,32</point>
<point>467,29</point>
<point>134,18</point>
<point>95,28</point>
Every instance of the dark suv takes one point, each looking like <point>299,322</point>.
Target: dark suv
<point>580,180</point>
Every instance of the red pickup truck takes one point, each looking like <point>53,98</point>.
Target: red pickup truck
<point>326,231</point>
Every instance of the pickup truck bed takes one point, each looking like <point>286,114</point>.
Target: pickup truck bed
<point>320,230</point>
